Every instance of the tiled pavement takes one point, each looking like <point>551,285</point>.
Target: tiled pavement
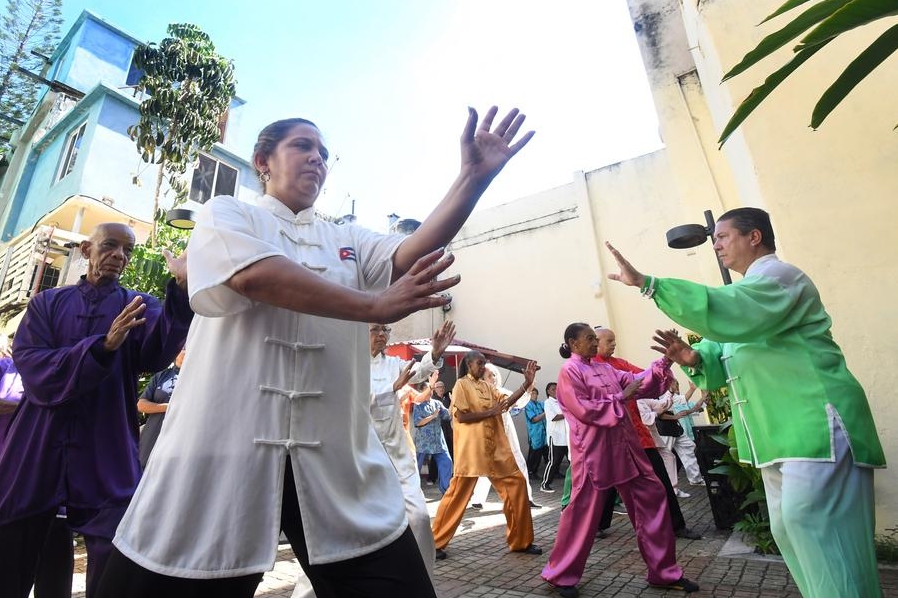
<point>479,564</point>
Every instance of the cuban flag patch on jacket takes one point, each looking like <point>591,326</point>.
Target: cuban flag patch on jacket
<point>347,253</point>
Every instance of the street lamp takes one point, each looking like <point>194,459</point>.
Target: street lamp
<point>180,218</point>
<point>690,236</point>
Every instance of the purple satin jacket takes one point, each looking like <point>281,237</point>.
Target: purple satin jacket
<point>73,438</point>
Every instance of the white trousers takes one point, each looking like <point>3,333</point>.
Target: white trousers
<point>822,518</point>
<point>684,447</point>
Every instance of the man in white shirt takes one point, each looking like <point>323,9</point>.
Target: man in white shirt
<point>651,411</point>
<point>556,430</point>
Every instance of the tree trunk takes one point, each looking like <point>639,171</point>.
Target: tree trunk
<point>156,202</point>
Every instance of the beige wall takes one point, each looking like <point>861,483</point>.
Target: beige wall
<point>531,267</point>
<point>528,269</point>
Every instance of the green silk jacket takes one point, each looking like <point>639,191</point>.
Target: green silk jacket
<point>768,337</point>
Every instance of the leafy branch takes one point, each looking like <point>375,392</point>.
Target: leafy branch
<point>189,87</point>
<point>826,20</point>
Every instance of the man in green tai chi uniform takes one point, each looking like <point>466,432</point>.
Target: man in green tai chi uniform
<point>798,413</point>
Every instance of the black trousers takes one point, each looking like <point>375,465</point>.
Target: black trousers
<point>37,551</point>
<point>673,505</point>
<point>432,470</point>
<point>56,565</point>
<point>535,457</point>
<point>557,453</point>
<point>396,570</point>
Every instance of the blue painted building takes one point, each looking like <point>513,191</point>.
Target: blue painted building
<point>74,166</point>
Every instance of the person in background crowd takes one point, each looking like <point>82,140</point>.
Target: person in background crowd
<point>684,445</point>
<point>154,402</point>
<point>429,440</point>
<point>482,449</point>
<point>557,430</point>
<point>652,410</point>
<point>441,395</point>
<point>536,433</point>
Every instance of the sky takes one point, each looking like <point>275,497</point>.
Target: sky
<point>388,82</point>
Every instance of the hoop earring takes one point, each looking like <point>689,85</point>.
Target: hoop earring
<point>265,177</point>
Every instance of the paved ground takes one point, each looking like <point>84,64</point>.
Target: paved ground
<point>479,564</point>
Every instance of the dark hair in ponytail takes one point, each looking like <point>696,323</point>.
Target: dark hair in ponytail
<point>571,332</point>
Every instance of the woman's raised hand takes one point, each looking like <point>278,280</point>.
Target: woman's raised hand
<point>416,290</point>
<point>485,149</point>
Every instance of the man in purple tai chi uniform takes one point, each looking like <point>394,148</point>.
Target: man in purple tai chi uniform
<point>73,438</point>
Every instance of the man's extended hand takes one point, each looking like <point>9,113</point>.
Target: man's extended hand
<point>674,348</point>
<point>123,323</point>
<point>177,267</point>
<point>628,274</point>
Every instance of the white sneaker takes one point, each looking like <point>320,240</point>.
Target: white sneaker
<point>682,494</point>
<point>699,483</point>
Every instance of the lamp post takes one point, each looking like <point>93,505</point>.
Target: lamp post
<point>690,236</point>
<point>180,218</point>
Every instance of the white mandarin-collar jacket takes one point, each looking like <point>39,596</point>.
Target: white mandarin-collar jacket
<point>260,383</point>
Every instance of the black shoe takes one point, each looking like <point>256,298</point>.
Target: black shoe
<point>546,489</point>
<point>684,584</point>
<point>602,534</point>
<point>441,554</point>
<point>531,549</point>
<point>687,533</point>
<point>565,591</point>
<point>476,506</point>
<point>533,505</point>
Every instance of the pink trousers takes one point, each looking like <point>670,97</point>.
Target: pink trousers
<point>646,502</point>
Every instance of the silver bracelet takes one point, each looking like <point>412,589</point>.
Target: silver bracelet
<point>650,290</point>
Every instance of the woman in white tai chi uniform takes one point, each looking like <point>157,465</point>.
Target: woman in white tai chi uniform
<point>274,431</point>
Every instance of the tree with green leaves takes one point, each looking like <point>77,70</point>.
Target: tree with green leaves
<point>189,87</point>
<point>827,20</point>
<point>148,271</point>
<point>29,28</point>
